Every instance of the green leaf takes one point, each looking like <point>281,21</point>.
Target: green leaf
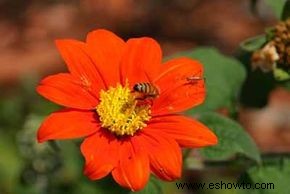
<point>280,74</point>
<point>219,69</point>
<point>275,176</point>
<point>72,162</point>
<point>108,185</point>
<point>12,112</point>
<point>232,139</point>
<point>152,187</point>
<point>254,43</point>
<point>10,162</point>
<point>286,10</point>
<point>270,33</point>
<point>277,6</point>
<point>87,188</point>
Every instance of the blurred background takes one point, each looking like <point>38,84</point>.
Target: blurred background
<point>27,53</point>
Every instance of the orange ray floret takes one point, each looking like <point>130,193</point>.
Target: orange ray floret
<point>124,134</point>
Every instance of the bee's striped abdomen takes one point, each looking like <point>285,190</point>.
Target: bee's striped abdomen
<point>148,89</point>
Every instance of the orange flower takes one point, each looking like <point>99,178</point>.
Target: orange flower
<point>125,135</point>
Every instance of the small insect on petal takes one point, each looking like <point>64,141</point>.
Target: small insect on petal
<point>194,79</point>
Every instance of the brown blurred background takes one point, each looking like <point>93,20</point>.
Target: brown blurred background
<point>28,30</point>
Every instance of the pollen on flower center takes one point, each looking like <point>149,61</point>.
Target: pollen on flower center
<point>119,112</point>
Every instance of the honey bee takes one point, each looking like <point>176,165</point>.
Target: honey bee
<point>145,90</point>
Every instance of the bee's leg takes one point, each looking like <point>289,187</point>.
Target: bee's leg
<point>140,98</point>
<point>141,102</point>
<point>149,100</point>
<point>132,108</point>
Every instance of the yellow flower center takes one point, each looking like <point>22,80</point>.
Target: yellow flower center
<point>119,111</point>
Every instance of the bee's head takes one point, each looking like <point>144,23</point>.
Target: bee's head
<point>137,87</point>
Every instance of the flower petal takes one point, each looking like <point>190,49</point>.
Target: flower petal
<point>101,154</point>
<point>176,92</point>
<point>106,50</point>
<point>186,131</point>
<point>66,124</point>
<point>141,60</point>
<point>133,169</point>
<point>164,154</point>
<point>66,90</point>
<point>80,64</point>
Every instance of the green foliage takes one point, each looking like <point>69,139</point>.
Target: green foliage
<point>286,10</point>
<point>233,139</point>
<point>10,162</point>
<point>12,112</point>
<point>254,43</point>
<point>277,173</point>
<point>224,77</point>
<point>153,187</point>
<point>106,185</point>
<point>277,6</point>
<point>280,74</point>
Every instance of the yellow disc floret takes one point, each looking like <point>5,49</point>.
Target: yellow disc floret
<point>119,111</point>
